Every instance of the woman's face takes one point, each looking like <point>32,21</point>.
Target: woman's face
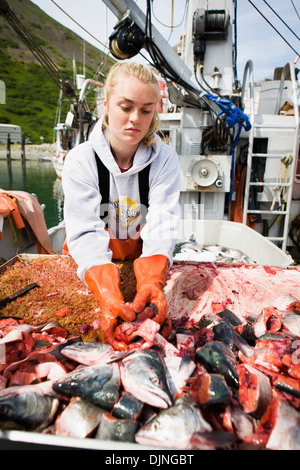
<point>130,111</point>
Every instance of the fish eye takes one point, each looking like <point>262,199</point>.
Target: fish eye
<point>3,409</point>
<point>156,426</point>
<point>154,379</point>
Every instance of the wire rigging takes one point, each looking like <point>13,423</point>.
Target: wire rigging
<point>281,19</point>
<point>295,9</point>
<point>297,53</point>
<point>85,30</point>
<point>37,51</point>
<point>171,26</point>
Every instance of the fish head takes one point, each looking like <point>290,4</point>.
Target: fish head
<point>160,431</point>
<point>8,412</point>
<point>152,387</point>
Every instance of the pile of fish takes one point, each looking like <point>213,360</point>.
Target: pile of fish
<point>220,383</point>
<point>190,250</point>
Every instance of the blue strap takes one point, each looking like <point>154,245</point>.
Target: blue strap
<point>234,114</point>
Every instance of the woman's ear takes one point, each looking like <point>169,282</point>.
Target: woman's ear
<point>105,103</point>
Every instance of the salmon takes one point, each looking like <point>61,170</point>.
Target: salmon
<point>129,331</point>
<point>255,390</point>
<point>90,354</point>
<point>175,426</point>
<point>114,429</point>
<point>127,407</point>
<point>150,387</point>
<point>268,321</point>
<point>98,384</point>
<point>225,333</point>
<point>279,427</point>
<point>178,371</point>
<point>79,419</point>
<point>291,322</point>
<point>218,358</point>
<point>27,411</point>
<point>210,389</point>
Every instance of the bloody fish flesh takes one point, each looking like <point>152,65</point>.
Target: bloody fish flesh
<point>227,376</point>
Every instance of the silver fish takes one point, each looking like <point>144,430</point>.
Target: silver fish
<point>79,419</point>
<point>97,384</point>
<point>175,426</point>
<point>127,407</point>
<point>281,424</point>
<point>178,371</point>
<point>291,321</point>
<point>143,375</point>
<point>114,429</point>
<point>89,354</point>
<point>27,411</point>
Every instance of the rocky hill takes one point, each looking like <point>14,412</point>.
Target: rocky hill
<point>31,94</point>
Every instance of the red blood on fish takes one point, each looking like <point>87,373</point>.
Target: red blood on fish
<point>55,330</point>
<point>7,322</point>
<point>255,391</point>
<point>192,294</point>
<point>43,337</point>
<point>220,305</point>
<point>203,336</point>
<point>269,354</point>
<point>293,363</point>
<point>23,378</point>
<point>276,425</point>
<point>272,319</point>
<point>128,331</point>
<point>227,419</point>
<point>35,367</point>
<point>294,306</point>
<point>270,270</point>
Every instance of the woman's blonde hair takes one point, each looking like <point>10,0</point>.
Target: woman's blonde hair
<point>143,73</point>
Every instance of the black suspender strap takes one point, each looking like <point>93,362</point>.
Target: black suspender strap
<point>103,176</point>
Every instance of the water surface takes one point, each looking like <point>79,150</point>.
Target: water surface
<point>38,177</point>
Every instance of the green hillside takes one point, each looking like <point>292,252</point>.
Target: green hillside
<point>31,94</point>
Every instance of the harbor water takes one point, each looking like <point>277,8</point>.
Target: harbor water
<point>35,176</point>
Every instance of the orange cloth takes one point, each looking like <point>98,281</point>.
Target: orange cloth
<point>121,249</point>
<point>27,206</point>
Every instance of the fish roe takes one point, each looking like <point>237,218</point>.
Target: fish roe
<point>60,295</point>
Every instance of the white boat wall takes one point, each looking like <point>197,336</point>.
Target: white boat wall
<point>65,140</point>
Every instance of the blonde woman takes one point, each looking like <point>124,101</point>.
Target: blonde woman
<point>121,191</point>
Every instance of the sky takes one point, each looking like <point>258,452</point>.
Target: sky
<point>257,40</point>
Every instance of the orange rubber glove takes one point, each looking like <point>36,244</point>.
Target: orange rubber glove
<point>104,283</point>
<point>151,273</point>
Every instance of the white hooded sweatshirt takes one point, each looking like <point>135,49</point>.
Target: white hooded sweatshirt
<point>87,238</point>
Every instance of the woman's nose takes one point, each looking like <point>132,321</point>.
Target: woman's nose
<point>135,115</point>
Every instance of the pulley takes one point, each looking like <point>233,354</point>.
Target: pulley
<point>210,24</point>
<point>205,172</point>
<point>127,40</point>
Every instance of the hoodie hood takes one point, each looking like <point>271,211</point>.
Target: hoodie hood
<point>143,156</point>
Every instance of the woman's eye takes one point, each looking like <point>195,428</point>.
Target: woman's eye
<point>126,109</point>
